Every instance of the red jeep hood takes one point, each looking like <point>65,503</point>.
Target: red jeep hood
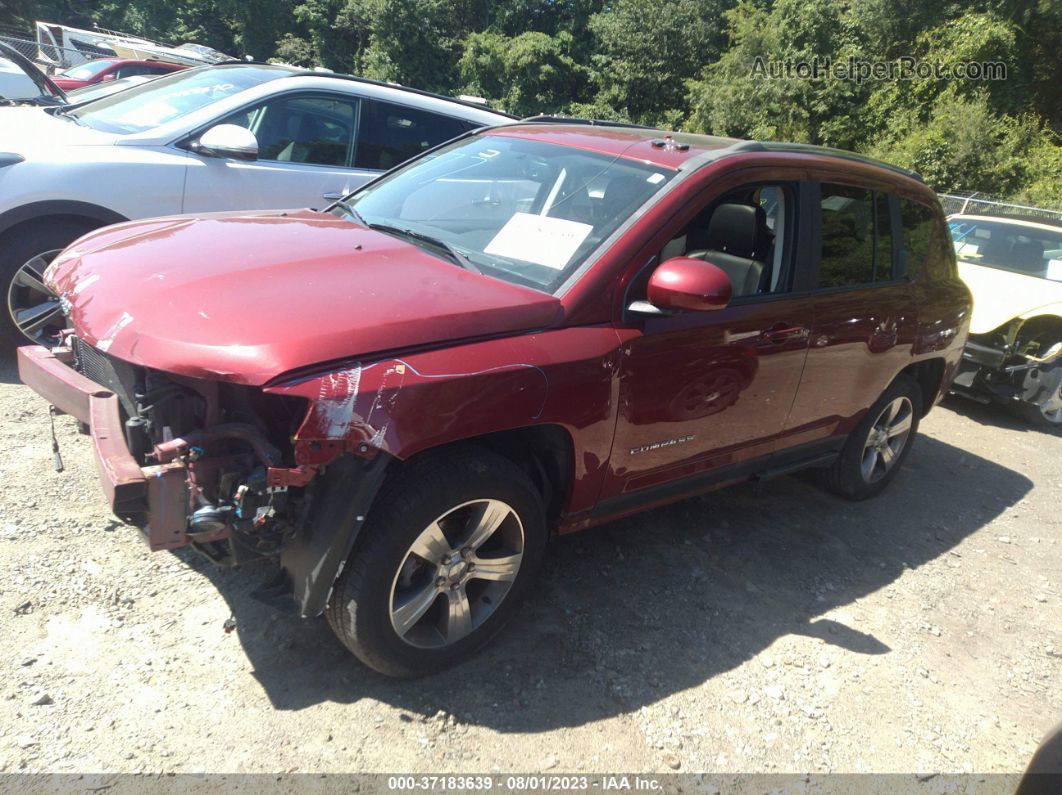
<point>247,297</point>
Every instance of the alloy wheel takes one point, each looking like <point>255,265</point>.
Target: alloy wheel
<point>1051,407</point>
<point>886,439</point>
<point>34,308</point>
<point>456,573</point>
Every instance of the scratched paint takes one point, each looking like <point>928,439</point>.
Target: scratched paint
<point>336,398</point>
<point>107,339</point>
<point>83,283</point>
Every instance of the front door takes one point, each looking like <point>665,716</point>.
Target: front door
<point>306,147</point>
<point>702,391</point>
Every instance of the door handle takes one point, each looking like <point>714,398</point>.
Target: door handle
<point>332,197</point>
<point>780,332</point>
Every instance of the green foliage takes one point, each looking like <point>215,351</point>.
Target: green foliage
<point>646,51</point>
<point>965,146</point>
<point>681,64</point>
<point>529,74</point>
<point>736,95</point>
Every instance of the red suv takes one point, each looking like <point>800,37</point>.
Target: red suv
<point>533,328</point>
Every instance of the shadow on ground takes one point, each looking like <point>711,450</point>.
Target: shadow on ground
<point>994,415</point>
<point>631,612</point>
<point>8,366</point>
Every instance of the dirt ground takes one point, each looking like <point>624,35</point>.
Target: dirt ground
<point>781,630</point>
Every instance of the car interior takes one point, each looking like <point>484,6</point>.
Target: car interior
<point>738,233</point>
<point>1008,247</point>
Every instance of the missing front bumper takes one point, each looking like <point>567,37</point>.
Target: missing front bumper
<point>154,498</point>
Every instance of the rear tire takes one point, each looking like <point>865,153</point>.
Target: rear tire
<point>31,313</point>
<point>422,591</point>
<point>876,449</point>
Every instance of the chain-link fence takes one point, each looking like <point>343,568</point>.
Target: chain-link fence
<point>980,204</point>
<point>50,58</point>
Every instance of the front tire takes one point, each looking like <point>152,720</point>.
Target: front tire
<point>32,313</point>
<point>1041,403</point>
<point>876,449</point>
<point>445,558</point>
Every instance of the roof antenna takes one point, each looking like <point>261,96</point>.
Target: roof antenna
<point>669,143</point>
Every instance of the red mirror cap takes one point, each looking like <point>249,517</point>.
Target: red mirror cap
<point>107,77</point>
<point>689,285</point>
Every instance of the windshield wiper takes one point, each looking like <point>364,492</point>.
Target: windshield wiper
<point>458,256</point>
<point>63,111</point>
<point>350,209</point>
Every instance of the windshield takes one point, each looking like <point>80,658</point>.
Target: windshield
<point>105,89</point>
<point>1033,251</point>
<point>85,71</point>
<point>164,99</point>
<point>522,211</point>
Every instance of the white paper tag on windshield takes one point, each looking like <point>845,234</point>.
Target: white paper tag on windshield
<point>540,239</point>
<point>1054,270</point>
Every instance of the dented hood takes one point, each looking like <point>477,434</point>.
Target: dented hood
<point>247,297</point>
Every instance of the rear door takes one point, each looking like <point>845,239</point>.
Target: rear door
<point>864,306</point>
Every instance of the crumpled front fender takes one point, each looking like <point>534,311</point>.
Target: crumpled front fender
<point>407,404</point>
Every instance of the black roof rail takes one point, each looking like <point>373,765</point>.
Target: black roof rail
<point>301,71</point>
<point>546,118</point>
<point>812,149</point>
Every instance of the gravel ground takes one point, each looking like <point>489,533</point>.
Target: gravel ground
<point>745,631</point>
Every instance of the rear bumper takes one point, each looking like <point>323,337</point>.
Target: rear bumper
<point>154,498</point>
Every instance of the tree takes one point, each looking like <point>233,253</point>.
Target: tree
<point>530,73</point>
<point>645,51</point>
<point>739,96</point>
<point>966,146</point>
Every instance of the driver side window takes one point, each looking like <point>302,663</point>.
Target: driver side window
<point>313,130</point>
<point>747,233</point>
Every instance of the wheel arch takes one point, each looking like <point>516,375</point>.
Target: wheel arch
<point>20,217</point>
<point>546,452</point>
<point>1041,322</point>
<point>929,374</point>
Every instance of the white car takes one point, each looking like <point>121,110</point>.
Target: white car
<point>14,83</point>
<point>1013,267</point>
<point>235,136</point>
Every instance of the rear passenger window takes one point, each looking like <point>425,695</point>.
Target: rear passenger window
<point>917,221</point>
<point>847,236</point>
<point>391,134</point>
<point>856,233</point>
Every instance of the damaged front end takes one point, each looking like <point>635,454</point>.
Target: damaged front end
<point>187,460</point>
<point>1019,362</point>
